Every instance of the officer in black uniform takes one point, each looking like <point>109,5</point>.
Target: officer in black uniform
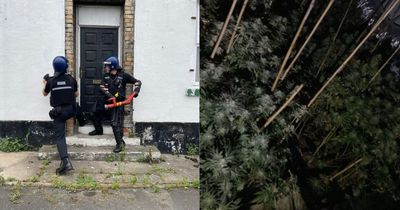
<point>63,89</point>
<point>113,85</point>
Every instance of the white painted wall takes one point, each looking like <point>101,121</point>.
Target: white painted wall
<point>165,43</point>
<point>31,35</point>
<point>99,15</point>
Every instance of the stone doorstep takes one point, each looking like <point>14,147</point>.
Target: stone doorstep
<point>87,128</point>
<point>99,153</point>
<point>101,140</point>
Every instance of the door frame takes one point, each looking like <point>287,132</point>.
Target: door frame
<point>94,25</point>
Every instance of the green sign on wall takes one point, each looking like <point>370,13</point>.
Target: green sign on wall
<point>193,92</point>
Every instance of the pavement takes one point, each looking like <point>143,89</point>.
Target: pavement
<point>141,199</point>
<point>172,183</point>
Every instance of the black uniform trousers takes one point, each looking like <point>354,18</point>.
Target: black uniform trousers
<point>117,117</point>
<point>59,120</point>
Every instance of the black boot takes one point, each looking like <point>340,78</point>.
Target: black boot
<point>96,132</point>
<point>119,147</point>
<point>96,120</point>
<point>65,166</point>
<point>98,128</point>
<point>118,138</point>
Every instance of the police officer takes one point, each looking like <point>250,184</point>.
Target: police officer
<point>63,89</point>
<point>113,85</point>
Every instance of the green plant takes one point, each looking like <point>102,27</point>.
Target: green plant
<point>133,180</point>
<point>156,189</point>
<point>119,169</point>
<point>110,158</point>
<point>193,149</point>
<point>57,182</point>
<point>122,155</point>
<point>15,194</point>
<point>144,159</point>
<point>195,184</point>
<point>46,162</point>
<point>87,182</point>
<point>9,144</point>
<point>115,184</point>
<point>156,169</point>
<point>2,181</point>
<point>146,180</point>
<point>33,179</point>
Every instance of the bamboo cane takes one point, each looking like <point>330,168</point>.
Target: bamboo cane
<point>327,137</point>
<point>334,38</point>
<point>384,15</point>
<point>270,119</point>
<point>345,169</point>
<point>347,175</point>
<point>221,35</point>
<point>230,45</point>
<point>293,44</point>
<point>308,38</point>
<point>376,45</point>
<point>383,66</point>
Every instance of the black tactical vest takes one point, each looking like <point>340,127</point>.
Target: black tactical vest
<point>116,85</point>
<point>62,91</point>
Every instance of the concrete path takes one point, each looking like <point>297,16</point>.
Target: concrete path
<point>172,172</point>
<point>142,199</point>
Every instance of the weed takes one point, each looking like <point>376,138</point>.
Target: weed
<point>110,158</point>
<point>86,182</point>
<point>57,182</point>
<point>192,149</point>
<point>46,162</point>
<point>122,156</point>
<point>156,189</point>
<point>119,170</point>
<point>9,144</point>
<point>33,179</point>
<point>15,194</point>
<point>146,180</point>
<point>115,184</point>
<point>196,184</point>
<point>133,180</point>
<point>158,170</point>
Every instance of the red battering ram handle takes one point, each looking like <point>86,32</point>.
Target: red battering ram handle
<point>121,103</point>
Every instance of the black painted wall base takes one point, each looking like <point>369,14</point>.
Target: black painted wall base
<point>34,133</point>
<point>168,137</point>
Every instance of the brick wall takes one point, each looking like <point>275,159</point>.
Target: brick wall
<point>70,49</point>
<point>127,64</point>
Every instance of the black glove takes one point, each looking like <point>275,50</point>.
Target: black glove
<point>137,94</point>
<point>46,77</point>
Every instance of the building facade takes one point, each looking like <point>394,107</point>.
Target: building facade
<point>155,40</point>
